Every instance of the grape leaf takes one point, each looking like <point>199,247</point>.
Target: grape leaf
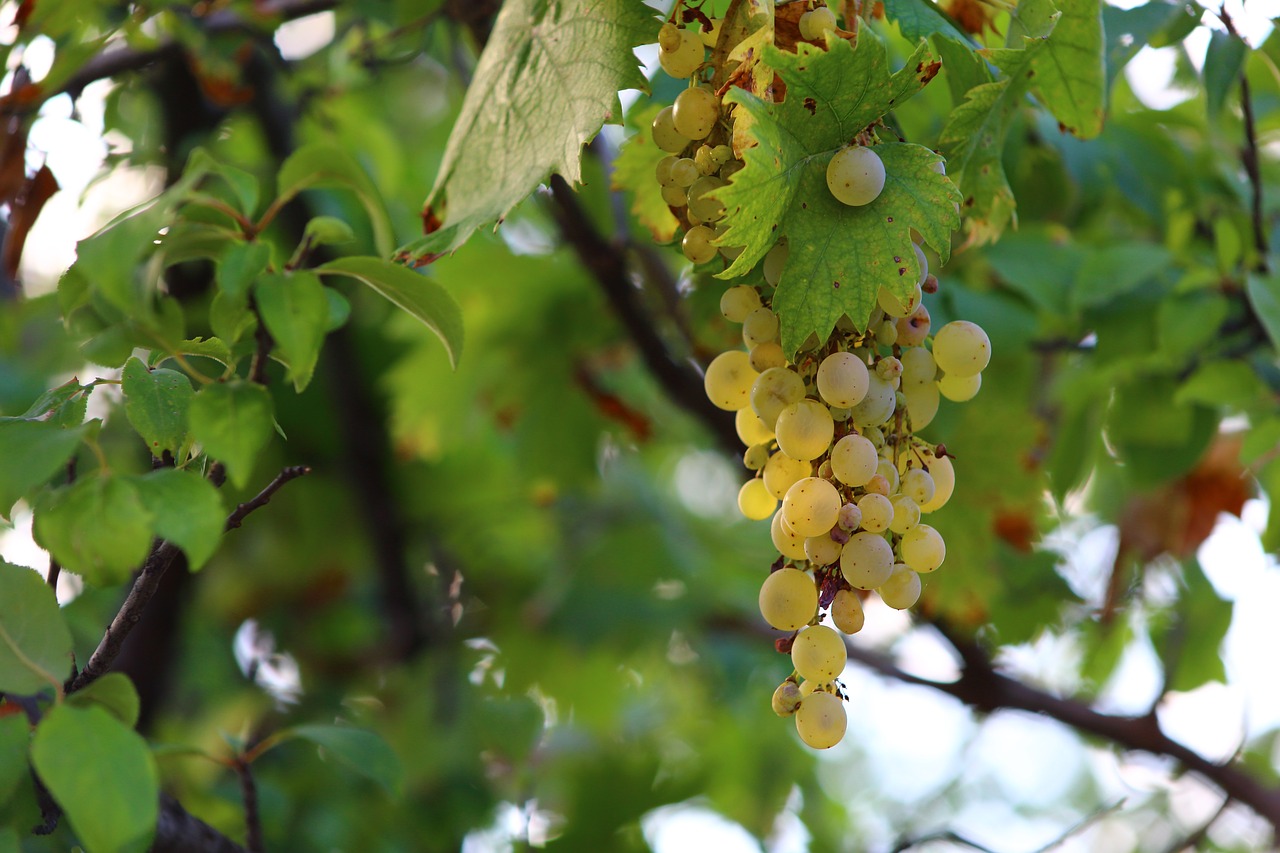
<point>974,135</point>
<point>1070,74</point>
<point>633,171</point>
<point>840,256</point>
<point>919,19</point>
<point>35,645</point>
<point>546,83</point>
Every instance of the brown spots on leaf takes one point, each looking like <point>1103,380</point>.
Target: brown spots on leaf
<point>811,105</point>
<point>973,16</point>
<point>1016,528</point>
<point>431,221</point>
<point>926,71</point>
<point>902,271</point>
<point>836,285</point>
<point>888,219</point>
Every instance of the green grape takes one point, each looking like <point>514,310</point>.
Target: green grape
<point>682,59</point>
<point>962,348</point>
<point>922,403</point>
<point>846,611</point>
<point>811,507</point>
<point>895,307</point>
<point>906,513</point>
<point>875,435</point>
<point>788,599</point>
<point>760,325</point>
<point>674,196</point>
<point>877,407</point>
<point>782,472</point>
<point>854,460</point>
<point>702,157</point>
<point>923,548</point>
<point>706,207</point>
<point>918,366</point>
<point>890,370</point>
<point>822,550</point>
<point>821,720</point>
<point>721,154</point>
<point>750,428</point>
<point>818,653</point>
<point>918,485</point>
<point>683,172</point>
<point>739,301</point>
<point>665,135</point>
<point>913,329</point>
<point>959,389</point>
<point>944,482</point>
<point>756,456</point>
<point>663,170</point>
<point>867,560</point>
<point>815,23</point>
<point>889,471</point>
<point>877,512</point>
<point>729,379</point>
<point>886,333</point>
<point>773,391</point>
<point>788,543</point>
<point>754,500</point>
<point>786,699</point>
<point>855,176</point>
<point>804,430</point>
<point>696,111</point>
<point>842,379</point>
<point>922,262</point>
<point>668,37</point>
<point>773,264</point>
<point>850,517</point>
<point>767,356</point>
<point>902,589</point>
<point>697,247</point>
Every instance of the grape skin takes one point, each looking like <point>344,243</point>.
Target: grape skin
<point>854,460</point>
<point>876,511</point>
<point>681,61</point>
<point>665,135</point>
<point>754,500</point>
<point>751,430</point>
<point>855,176</point>
<point>787,542</point>
<point>902,589</point>
<point>697,245</point>
<point>818,653</point>
<point>782,472</point>
<point>811,507</point>
<point>962,348</point>
<point>760,326</point>
<point>739,301</point>
<point>774,390</point>
<point>847,613</point>
<point>821,720</point>
<point>788,599</point>
<point>729,379</point>
<point>923,548</point>
<point>866,561</point>
<point>959,389</point>
<point>696,112</point>
<point>842,380</point>
<point>804,430</point>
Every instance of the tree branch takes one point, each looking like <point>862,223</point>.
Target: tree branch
<point>607,265</point>
<point>178,831</point>
<point>252,818</point>
<point>263,497</point>
<point>1249,156</point>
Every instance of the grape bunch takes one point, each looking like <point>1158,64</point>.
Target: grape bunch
<point>832,431</point>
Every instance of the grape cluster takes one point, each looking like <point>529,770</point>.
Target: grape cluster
<point>831,432</point>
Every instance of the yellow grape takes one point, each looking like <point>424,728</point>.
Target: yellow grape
<point>902,589</point>
<point>754,500</point>
<point>773,264</point>
<point>768,354</point>
<point>821,720</point>
<point>739,301</point>
<point>786,699</point>
<point>923,548</point>
<point>854,460</point>
<point>729,379</point>
<point>756,456</point>
<point>665,135</point>
<point>962,348</point>
<point>918,485</point>
<point>906,513</point>
<point>774,390</point>
<point>846,611</point>
<point>811,507</point>
<point>855,175</point>
<point>944,482</point>
<point>877,512</point>
<point>788,599</point>
<point>878,405</point>
<point>789,543</point>
<point>761,325</point>
<point>960,389</point>
<point>750,428</point>
<point>822,550</point>
<point>818,653</point>
<point>805,429</point>
<point>842,380</point>
<point>695,111</point>
<point>866,561</point>
<point>684,58</point>
<point>782,472</point>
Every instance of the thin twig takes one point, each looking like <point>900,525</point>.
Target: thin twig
<point>1249,156</point>
<point>942,835</point>
<point>264,497</point>
<point>252,818</point>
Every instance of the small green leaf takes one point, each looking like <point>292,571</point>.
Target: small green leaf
<point>326,164</point>
<point>339,310</point>
<point>31,452</point>
<point>1190,647</point>
<point>102,775</point>
<point>1223,63</point>
<point>328,231</point>
<point>213,348</point>
<point>1115,270</point>
<point>113,692</point>
<point>187,509</point>
<point>242,184</point>
<point>296,312</point>
<point>63,406</point>
<point>238,267</point>
<point>15,735</point>
<point>35,645</point>
<point>233,421</point>
<point>96,527</point>
<point>420,296</point>
<point>156,403</point>
<point>1264,296</point>
<point>1222,383</point>
<point>359,750</point>
<point>920,19</point>
<point>547,81</point>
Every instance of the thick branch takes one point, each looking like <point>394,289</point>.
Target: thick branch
<point>607,265</point>
<point>178,831</point>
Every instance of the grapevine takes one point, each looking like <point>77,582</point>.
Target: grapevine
<point>830,410</point>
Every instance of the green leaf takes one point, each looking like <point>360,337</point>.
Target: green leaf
<point>35,645</point>
<point>1190,647</point>
<point>1070,75</point>
<point>242,184</point>
<point>102,775</point>
<point>359,750</point>
<point>9,837</point>
<point>1115,270</point>
<point>1223,63</point>
<point>113,692</point>
<point>1130,30</point>
<point>156,403</point>
<point>1156,438</point>
<point>546,83</point>
<point>187,509</point>
<point>633,171</point>
<point>233,421</point>
<point>420,296</point>
<point>14,738</point>
<point>839,256</point>
<point>239,266</point>
<point>96,527</point>
<point>296,313</point>
<point>327,164</point>
<point>920,19</point>
<point>63,406</point>
<point>213,348</point>
<point>31,452</point>
<point>328,231</point>
<point>1222,383</point>
<point>1264,296</point>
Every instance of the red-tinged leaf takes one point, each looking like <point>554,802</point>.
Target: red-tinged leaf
<point>26,209</point>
